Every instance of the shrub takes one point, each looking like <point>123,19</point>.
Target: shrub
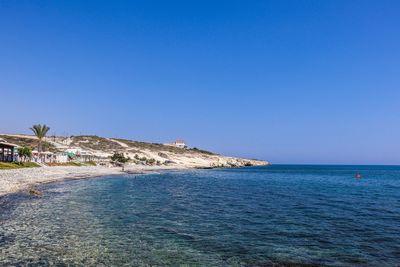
<point>163,155</point>
<point>24,152</point>
<point>151,161</point>
<point>119,158</point>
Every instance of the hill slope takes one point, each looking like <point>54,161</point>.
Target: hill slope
<point>140,152</point>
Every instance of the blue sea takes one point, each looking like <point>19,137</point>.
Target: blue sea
<point>279,215</point>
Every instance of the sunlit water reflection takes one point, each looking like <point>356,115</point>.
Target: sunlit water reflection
<point>280,215</point>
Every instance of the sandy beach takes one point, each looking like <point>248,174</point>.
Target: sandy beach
<point>16,180</point>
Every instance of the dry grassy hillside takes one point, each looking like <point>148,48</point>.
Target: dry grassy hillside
<point>139,152</point>
<point>28,141</point>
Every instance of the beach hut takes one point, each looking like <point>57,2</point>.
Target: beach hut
<point>7,151</point>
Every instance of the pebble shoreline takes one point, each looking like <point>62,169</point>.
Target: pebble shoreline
<point>16,180</point>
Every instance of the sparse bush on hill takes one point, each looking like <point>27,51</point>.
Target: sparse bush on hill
<point>119,158</point>
<point>163,155</point>
<point>202,151</point>
<point>95,142</point>
<point>151,161</point>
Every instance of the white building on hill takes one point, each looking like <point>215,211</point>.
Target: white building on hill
<point>180,144</point>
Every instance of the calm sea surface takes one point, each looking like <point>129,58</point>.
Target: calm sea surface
<point>261,216</point>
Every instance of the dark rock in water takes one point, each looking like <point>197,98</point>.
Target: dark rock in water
<point>4,239</point>
<point>35,192</point>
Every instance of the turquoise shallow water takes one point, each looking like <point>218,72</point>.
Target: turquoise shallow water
<point>261,216</point>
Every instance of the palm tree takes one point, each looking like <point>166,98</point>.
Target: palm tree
<point>40,131</point>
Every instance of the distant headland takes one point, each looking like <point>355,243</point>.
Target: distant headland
<point>57,157</point>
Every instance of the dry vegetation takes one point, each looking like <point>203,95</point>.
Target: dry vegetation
<point>138,153</point>
<point>95,143</point>
<point>21,141</point>
<point>17,165</point>
<point>160,147</point>
<point>72,163</point>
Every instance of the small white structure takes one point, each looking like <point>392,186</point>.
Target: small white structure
<point>43,157</point>
<point>180,144</point>
<point>79,154</point>
<point>62,158</point>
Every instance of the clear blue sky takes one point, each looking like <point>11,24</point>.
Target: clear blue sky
<point>286,81</point>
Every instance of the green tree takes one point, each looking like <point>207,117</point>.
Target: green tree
<point>40,131</point>
<point>119,158</point>
<point>151,161</point>
<point>24,153</point>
